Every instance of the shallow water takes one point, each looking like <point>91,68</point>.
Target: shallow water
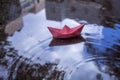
<point>32,53</point>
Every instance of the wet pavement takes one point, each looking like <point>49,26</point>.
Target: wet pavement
<point>32,53</point>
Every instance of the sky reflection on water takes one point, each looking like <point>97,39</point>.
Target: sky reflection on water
<point>27,53</point>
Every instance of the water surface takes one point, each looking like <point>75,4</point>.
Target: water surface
<point>32,53</point>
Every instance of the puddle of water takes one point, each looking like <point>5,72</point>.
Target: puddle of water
<point>32,54</point>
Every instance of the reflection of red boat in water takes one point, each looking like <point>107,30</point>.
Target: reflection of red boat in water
<point>66,32</point>
<point>66,41</point>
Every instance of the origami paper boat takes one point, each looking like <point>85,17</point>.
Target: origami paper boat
<point>66,32</point>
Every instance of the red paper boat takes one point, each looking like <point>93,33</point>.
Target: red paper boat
<point>66,32</point>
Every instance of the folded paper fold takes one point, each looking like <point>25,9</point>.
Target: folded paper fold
<point>66,32</point>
